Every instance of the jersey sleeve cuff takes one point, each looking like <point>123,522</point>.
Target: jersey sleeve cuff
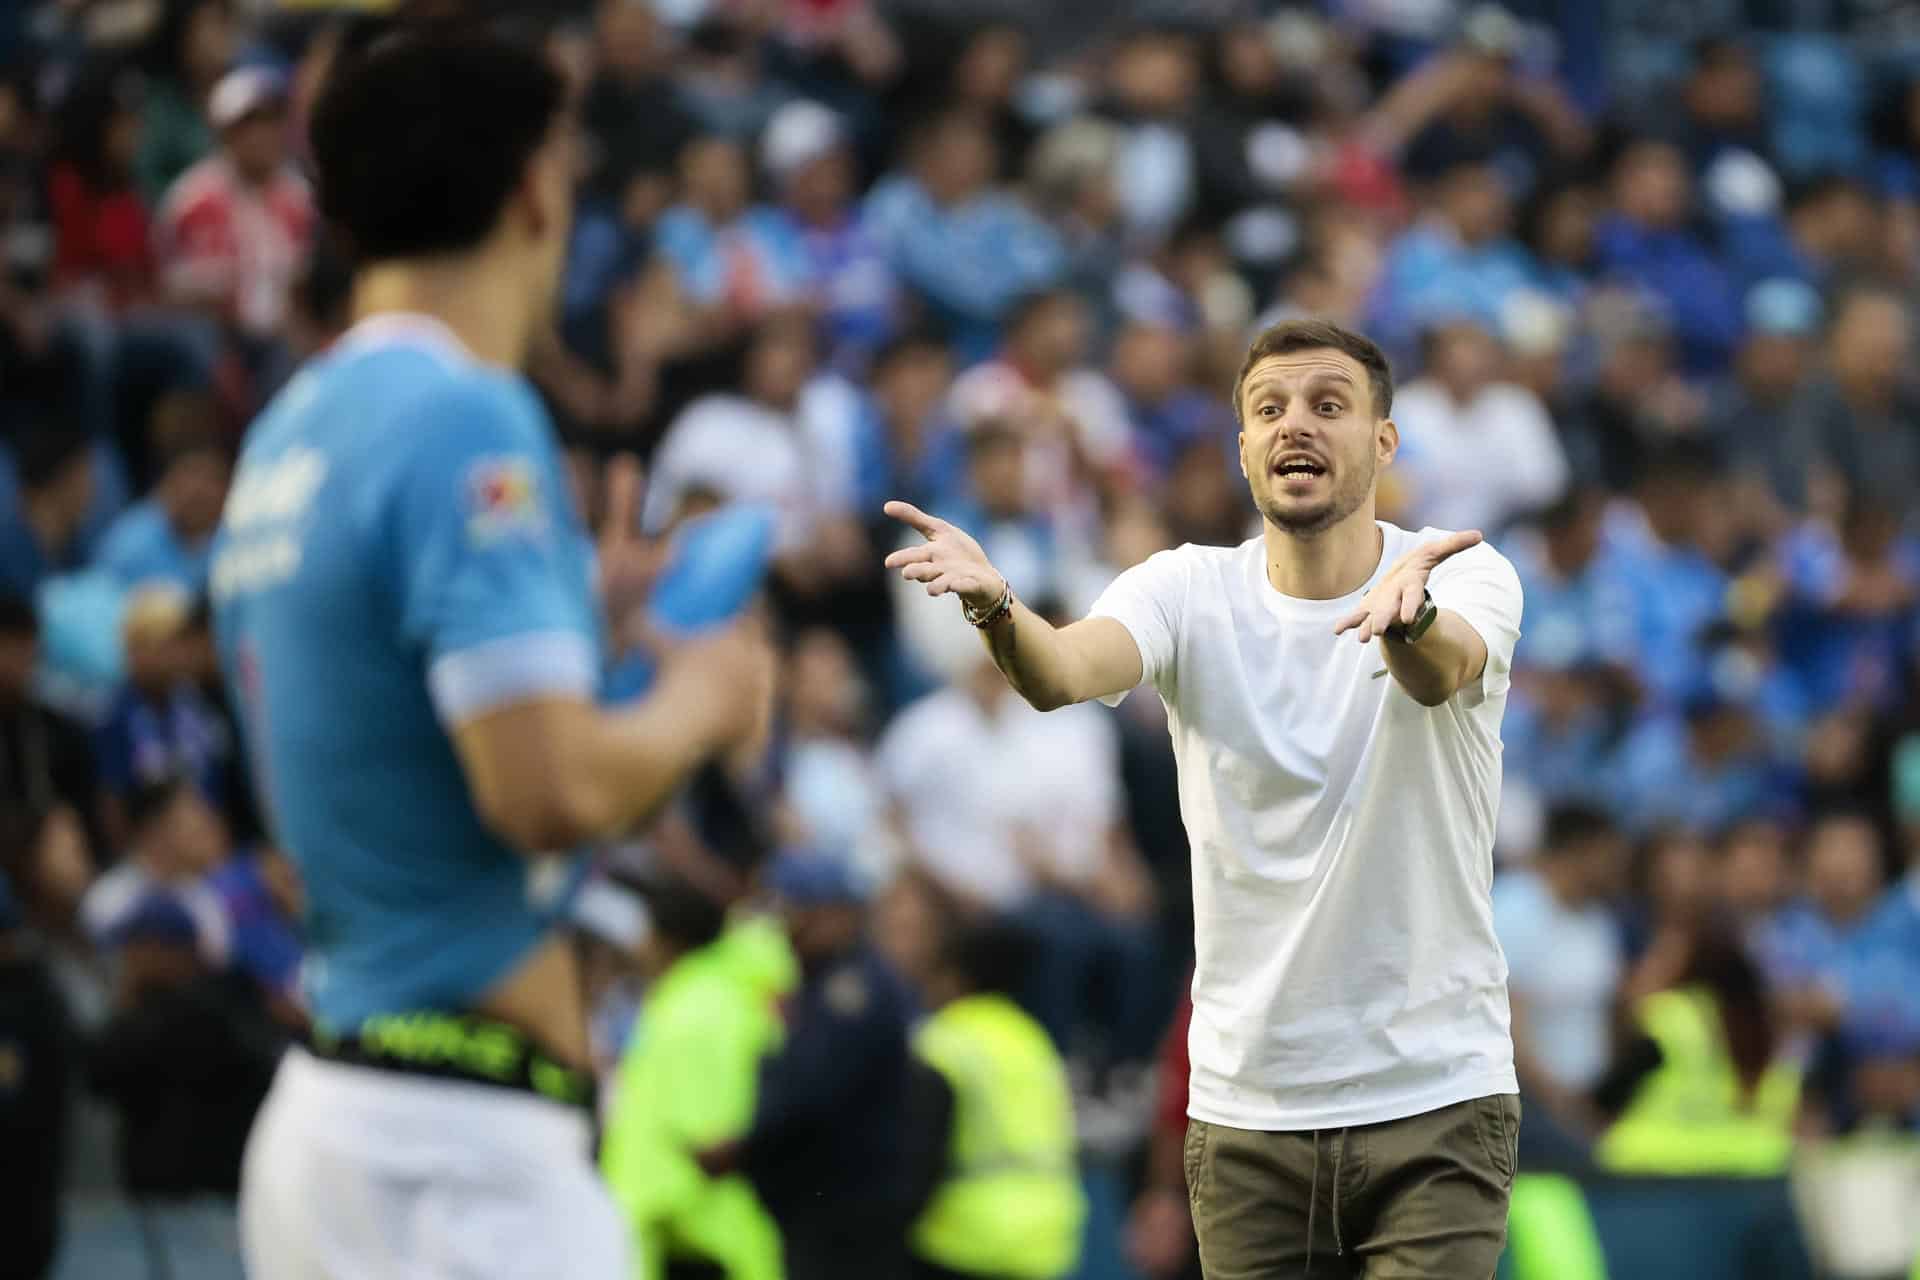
<point>468,683</point>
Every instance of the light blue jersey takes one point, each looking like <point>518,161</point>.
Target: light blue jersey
<point>399,554</point>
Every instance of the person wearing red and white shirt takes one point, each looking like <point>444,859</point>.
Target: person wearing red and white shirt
<point>234,229</point>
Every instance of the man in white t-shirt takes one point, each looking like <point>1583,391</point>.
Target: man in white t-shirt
<point>1334,691</point>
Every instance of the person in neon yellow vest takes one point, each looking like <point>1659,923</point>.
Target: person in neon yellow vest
<point>688,1085</point>
<point>1008,1204</point>
<point>1718,1096</point>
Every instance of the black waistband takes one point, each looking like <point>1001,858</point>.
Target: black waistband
<point>457,1046</point>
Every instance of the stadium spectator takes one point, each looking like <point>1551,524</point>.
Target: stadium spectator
<point>103,246</point>
<point>1645,241</point>
<point>968,248</point>
<point>776,420</point>
<point>1565,961</point>
<point>809,158</point>
<point>1460,420</point>
<point>722,82</point>
<point>166,537</point>
<point>1073,422</point>
<point>734,259</point>
<point>46,758</point>
<point>1861,409</point>
<point>1675,542</point>
<point>233,229</point>
<point>1718,119</point>
<point>631,110</point>
<point>161,723</point>
<point>1754,421</point>
<point>42,535</point>
<point>191,47</point>
<point>1637,401</point>
<point>38,1053</point>
<point>1848,606</point>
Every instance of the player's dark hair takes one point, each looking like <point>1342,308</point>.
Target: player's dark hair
<point>47,452</point>
<point>1290,336</point>
<point>420,139</point>
<point>1573,826</point>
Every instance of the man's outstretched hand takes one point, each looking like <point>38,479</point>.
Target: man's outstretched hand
<point>949,560</point>
<point>1397,596</point>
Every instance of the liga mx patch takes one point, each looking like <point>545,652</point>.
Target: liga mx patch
<point>503,500</point>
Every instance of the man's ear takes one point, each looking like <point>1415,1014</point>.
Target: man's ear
<point>1386,439</point>
<point>1241,439</point>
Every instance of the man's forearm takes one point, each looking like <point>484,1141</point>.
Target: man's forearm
<point>1435,667</point>
<point>1026,648</point>
<point>641,756</point>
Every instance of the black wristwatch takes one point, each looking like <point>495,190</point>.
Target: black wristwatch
<point>1410,633</point>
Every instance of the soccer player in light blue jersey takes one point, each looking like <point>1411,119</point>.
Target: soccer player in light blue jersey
<point>408,616</point>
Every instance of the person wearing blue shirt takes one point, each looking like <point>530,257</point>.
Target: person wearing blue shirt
<point>971,250</point>
<point>166,537</point>
<point>408,621</point>
<point>1701,768</point>
<point>726,253</point>
<point>1646,243</point>
<point>1461,262</point>
<point>808,154</point>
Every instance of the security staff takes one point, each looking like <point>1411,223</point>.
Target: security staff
<point>826,1147</point>
<point>687,1086</point>
<point>1009,1204</point>
<point>1714,1094</point>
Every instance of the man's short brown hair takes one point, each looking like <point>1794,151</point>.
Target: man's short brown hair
<point>1308,335</point>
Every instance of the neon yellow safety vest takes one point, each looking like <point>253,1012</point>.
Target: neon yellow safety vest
<point>1691,1116</point>
<point>1011,1205</point>
<point>687,1083</point>
<point>1550,1233</point>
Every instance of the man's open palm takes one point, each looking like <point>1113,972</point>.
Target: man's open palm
<point>1397,596</point>
<point>949,560</point>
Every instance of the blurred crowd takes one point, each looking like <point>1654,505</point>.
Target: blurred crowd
<point>1647,278</point>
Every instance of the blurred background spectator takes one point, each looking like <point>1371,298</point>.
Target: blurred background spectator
<point>1647,274</point>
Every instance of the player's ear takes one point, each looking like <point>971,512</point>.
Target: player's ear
<point>1242,451</point>
<point>1386,440</point>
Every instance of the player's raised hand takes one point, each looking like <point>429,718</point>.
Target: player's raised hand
<point>1397,596</point>
<point>948,561</point>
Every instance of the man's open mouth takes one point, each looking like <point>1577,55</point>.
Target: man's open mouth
<point>1288,468</point>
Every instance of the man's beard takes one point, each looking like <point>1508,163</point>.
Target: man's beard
<point>1311,522</point>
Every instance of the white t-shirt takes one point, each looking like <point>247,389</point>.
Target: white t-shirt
<point>1347,969</point>
<point>976,786</point>
<point>1480,464</point>
<point>1567,963</point>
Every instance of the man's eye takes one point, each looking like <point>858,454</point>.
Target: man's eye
<point>1268,410</point>
<point>1329,407</point>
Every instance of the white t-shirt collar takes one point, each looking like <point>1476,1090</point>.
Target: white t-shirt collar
<point>1298,608</point>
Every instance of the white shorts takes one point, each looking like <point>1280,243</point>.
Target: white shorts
<point>355,1173</point>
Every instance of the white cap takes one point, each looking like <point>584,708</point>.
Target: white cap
<point>799,133</point>
<point>241,93</point>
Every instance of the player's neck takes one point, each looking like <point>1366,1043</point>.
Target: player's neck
<point>1333,563</point>
<point>462,294</point>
